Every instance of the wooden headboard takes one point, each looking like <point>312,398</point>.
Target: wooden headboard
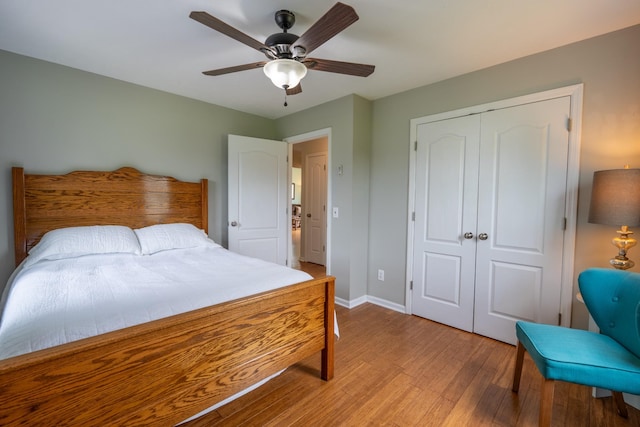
<point>123,197</point>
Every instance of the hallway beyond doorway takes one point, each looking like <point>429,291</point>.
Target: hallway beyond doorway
<point>315,270</point>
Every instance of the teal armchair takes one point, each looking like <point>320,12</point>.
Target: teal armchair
<point>609,359</point>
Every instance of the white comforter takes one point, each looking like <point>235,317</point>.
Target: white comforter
<point>53,302</point>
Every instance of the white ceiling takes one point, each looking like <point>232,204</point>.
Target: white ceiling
<point>412,43</point>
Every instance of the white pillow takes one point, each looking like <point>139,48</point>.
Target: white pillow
<point>163,237</point>
<point>78,241</point>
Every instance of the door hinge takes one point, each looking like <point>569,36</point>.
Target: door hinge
<point>413,216</point>
<point>415,145</point>
<point>569,124</point>
<point>323,249</point>
<point>559,319</point>
<point>564,223</point>
<point>411,285</point>
<point>324,167</point>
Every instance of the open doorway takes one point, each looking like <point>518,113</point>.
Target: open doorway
<point>309,204</point>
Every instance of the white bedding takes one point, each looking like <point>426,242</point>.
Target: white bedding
<point>56,301</point>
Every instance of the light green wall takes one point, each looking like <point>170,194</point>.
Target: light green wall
<point>350,121</point>
<point>55,119</point>
<point>296,179</point>
<point>609,67</point>
<point>360,196</point>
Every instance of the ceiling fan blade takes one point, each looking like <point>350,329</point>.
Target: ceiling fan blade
<point>226,29</point>
<point>228,70</point>
<point>350,68</point>
<point>295,90</point>
<point>339,17</point>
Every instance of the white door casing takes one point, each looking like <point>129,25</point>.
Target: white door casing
<point>496,303</point>
<point>258,198</point>
<point>309,136</point>
<point>314,207</point>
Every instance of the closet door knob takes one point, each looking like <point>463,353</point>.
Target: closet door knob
<point>233,223</point>
<point>483,236</point>
<point>468,235</point>
<point>308,215</point>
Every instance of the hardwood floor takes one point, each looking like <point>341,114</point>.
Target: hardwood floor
<point>315,270</point>
<point>398,370</point>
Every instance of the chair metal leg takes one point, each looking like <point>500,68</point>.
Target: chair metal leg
<point>546,402</point>
<point>622,407</point>
<point>517,370</point>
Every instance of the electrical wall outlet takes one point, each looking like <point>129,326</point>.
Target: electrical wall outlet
<point>381,275</point>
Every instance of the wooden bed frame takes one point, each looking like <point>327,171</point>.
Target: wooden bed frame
<point>165,371</point>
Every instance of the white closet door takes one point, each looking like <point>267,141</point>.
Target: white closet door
<point>521,204</point>
<point>498,178</point>
<point>445,209</point>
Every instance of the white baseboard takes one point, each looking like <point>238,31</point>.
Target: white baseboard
<point>373,300</point>
<point>632,400</point>
<point>387,304</point>
<point>629,399</point>
<point>351,303</point>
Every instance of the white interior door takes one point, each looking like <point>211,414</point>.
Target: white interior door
<point>521,209</point>
<point>488,240</point>
<point>446,204</point>
<point>258,198</point>
<point>314,208</point>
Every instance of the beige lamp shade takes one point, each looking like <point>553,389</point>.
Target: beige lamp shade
<point>615,197</point>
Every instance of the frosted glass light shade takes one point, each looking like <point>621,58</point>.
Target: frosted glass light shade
<point>285,73</point>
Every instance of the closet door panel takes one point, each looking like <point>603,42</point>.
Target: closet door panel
<point>518,188</point>
<point>446,206</point>
<point>522,187</point>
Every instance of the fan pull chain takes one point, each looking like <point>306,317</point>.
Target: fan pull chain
<point>285,98</point>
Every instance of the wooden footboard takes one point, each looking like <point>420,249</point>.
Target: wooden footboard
<point>165,371</point>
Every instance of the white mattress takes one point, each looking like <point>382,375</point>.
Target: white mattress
<point>53,302</point>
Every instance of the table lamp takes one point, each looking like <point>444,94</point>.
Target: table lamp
<point>615,200</point>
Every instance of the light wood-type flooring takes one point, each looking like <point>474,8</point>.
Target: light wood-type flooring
<point>393,369</point>
<point>315,270</point>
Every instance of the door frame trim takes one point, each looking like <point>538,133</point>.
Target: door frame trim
<point>308,136</point>
<point>575,92</point>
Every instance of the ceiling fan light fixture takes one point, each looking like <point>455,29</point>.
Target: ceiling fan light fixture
<point>285,73</point>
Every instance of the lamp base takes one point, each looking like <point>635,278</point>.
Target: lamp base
<point>621,264</point>
<point>623,242</point>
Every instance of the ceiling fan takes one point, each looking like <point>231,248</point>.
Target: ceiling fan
<point>287,53</point>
